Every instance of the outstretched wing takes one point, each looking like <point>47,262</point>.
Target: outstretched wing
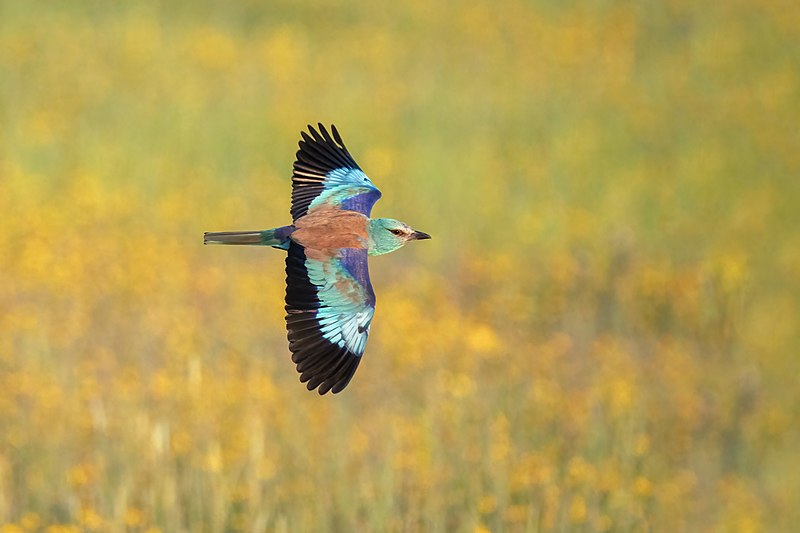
<point>326,174</point>
<point>329,307</point>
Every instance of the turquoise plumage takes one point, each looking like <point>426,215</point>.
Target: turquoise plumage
<point>329,298</point>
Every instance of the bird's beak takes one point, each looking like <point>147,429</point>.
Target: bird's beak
<point>419,236</point>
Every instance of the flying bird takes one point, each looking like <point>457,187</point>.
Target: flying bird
<point>329,298</point>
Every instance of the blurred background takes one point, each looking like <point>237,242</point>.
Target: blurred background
<point>602,335</point>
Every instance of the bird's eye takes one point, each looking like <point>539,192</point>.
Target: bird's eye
<point>396,232</point>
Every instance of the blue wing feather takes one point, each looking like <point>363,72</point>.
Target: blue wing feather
<point>326,174</point>
<point>355,262</point>
<point>329,305</point>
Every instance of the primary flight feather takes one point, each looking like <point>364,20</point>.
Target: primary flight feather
<point>329,297</point>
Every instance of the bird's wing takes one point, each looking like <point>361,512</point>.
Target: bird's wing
<point>329,307</point>
<point>326,174</point>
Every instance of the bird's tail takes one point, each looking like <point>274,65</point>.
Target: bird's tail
<point>276,237</point>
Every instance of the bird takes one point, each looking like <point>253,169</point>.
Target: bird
<point>329,300</point>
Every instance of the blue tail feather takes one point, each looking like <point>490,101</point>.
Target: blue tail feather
<point>275,237</point>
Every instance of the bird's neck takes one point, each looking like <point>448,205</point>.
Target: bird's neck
<point>379,240</point>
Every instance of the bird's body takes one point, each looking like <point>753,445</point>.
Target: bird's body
<point>329,298</point>
<point>324,231</point>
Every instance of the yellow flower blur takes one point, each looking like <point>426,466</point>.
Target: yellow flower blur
<point>601,336</point>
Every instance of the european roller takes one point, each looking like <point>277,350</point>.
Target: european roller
<point>329,298</point>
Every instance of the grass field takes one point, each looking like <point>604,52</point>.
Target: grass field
<point>601,336</point>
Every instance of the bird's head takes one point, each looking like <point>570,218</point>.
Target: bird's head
<point>387,235</point>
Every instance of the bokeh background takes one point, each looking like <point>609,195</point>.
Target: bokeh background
<point>602,335</point>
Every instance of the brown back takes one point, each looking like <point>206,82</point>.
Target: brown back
<point>324,230</point>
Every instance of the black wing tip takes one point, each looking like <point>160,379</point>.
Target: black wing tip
<point>328,150</point>
<point>320,127</point>
<point>323,385</point>
<point>317,132</point>
<point>322,365</point>
<point>335,386</point>
<point>320,134</point>
<point>325,372</point>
